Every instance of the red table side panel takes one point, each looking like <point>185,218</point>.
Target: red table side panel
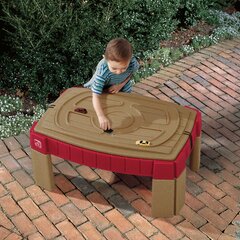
<point>53,147</point>
<point>89,158</point>
<point>118,164</point>
<point>180,163</point>
<point>158,169</point>
<point>146,168</point>
<point>134,165</point>
<point>163,170</point>
<point>38,141</point>
<point>76,155</point>
<point>198,122</point>
<point>64,150</point>
<point>104,161</point>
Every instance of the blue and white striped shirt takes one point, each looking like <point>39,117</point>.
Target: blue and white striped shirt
<point>104,78</point>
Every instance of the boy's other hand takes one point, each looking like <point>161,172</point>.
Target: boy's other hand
<point>104,122</point>
<point>115,88</point>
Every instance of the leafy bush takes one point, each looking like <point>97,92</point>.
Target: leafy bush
<point>146,22</point>
<point>50,45</point>
<point>220,18</point>
<point>190,11</point>
<point>56,44</point>
<point>53,46</point>
<point>221,4</point>
<point>227,26</point>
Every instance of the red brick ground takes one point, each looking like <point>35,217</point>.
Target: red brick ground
<point>96,204</point>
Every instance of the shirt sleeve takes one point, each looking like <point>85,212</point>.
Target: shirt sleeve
<point>99,78</point>
<point>134,64</point>
<point>98,84</point>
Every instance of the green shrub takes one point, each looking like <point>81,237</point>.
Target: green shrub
<point>221,4</point>
<point>146,22</point>
<point>226,25</point>
<point>53,46</point>
<point>56,44</point>
<point>190,11</point>
<point>219,18</point>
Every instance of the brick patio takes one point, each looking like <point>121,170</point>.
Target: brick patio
<point>95,204</point>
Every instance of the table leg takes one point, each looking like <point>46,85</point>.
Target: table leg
<point>42,170</point>
<point>168,196</point>
<point>195,155</point>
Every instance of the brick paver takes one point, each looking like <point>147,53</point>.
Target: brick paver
<point>96,204</point>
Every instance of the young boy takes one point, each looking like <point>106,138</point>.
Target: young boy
<point>112,75</point>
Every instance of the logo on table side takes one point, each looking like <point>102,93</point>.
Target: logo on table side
<point>37,143</point>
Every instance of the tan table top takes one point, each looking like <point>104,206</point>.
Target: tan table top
<point>133,117</point>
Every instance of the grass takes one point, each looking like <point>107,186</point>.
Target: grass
<point>13,120</point>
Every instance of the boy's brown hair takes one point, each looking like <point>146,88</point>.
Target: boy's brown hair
<point>118,50</point>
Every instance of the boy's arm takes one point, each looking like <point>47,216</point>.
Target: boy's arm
<point>102,119</point>
<point>116,88</point>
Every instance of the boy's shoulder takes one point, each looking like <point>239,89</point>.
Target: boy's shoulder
<point>102,67</point>
<point>102,63</point>
<point>134,65</point>
<point>133,59</point>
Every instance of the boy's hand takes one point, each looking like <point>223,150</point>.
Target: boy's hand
<point>104,122</point>
<point>115,88</point>
<point>102,119</point>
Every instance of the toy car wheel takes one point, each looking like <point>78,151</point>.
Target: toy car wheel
<point>142,143</point>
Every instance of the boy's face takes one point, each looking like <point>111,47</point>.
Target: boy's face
<point>117,67</point>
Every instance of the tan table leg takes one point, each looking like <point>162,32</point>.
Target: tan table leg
<point>195,155</point>
<point>168,196</point>
<point>42,170</point>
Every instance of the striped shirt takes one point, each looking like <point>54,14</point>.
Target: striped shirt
<point>104,78</point>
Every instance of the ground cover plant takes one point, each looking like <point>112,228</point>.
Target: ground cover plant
<point>40,72</point>
<point>13,119</point>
